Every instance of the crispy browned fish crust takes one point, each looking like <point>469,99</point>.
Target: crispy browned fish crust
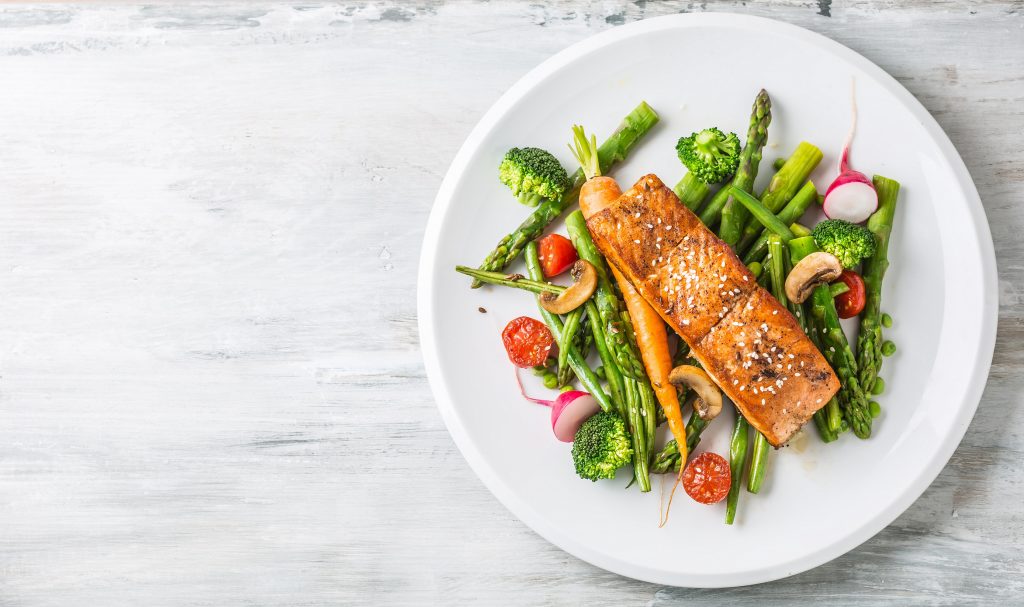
<point>743,337</point>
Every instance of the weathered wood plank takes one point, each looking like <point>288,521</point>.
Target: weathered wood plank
<point>211,388</point>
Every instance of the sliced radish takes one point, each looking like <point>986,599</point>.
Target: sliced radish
<point>853,200</point>
<point>568,414</point>
<point>568,411</point>
<point>851,196</point>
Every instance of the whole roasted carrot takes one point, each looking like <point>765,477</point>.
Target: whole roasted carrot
<point>652,338</point>
<point>598,193</point>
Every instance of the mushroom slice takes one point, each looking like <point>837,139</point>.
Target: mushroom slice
<point>584,281</point>
<point>709,398</point>
<point>816,269</point>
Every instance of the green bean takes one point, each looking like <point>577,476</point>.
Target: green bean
<point>737,459</point>
<point>565,343</point>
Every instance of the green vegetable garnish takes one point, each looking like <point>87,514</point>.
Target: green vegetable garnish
<point>534,175</point>
<point>849,242</point>
<point>711,155</point>
<point>601,447</point>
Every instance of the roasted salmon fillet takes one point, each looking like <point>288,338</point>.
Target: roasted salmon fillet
<point>748,343</point>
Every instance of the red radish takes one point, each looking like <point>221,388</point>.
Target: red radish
<point>851,196</point>
<point>568,411</point>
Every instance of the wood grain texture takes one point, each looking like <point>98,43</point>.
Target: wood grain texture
<point>211,391</point>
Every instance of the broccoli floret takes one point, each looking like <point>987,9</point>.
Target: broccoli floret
<point>849,242</point>
<point>533,175</point>
<point>601,447</point>
<point>711,155</point>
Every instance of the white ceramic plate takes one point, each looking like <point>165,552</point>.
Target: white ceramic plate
<point>820,500</point>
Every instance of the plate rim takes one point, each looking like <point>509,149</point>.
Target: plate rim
<point>526,513</point>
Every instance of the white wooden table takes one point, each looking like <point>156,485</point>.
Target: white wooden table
<point>211,390</point>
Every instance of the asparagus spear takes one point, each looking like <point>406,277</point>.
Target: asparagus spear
<point>869,343</point>
<point>833,345</point>
<point>585,339</point>
<point>712,212</point>
<point>851,397</point>
<point>691,191</point>
<point>784,185</point>
<point>575,360</point>
<point>638,430</point>
<point>648,402</point>
<point>735,216</point>
<point>608,363</point>
<point>780,162</point>
<point>613,151</point>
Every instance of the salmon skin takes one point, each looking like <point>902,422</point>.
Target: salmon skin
<point>748,342</point>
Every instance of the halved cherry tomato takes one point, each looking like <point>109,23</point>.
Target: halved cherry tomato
<point>527,341</point>
<point>707,478</point>
<point>851,303</point>
<point>556,254</point>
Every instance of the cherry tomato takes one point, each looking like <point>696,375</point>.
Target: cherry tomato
<point>527,341</point>
<point>707,478</point>
<point>556,254</point>
<point>851,303</point>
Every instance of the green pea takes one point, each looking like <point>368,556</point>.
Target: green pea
<point>756,269</point>
<point>540,370</point>
<point>886,321</point>
<point>550,381</point>
<point>565,388</point>
<point>875,409</point>
<point>879,386</point>
<point>599,371</point>
<point>551,362</point>
<point>888,348</point>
